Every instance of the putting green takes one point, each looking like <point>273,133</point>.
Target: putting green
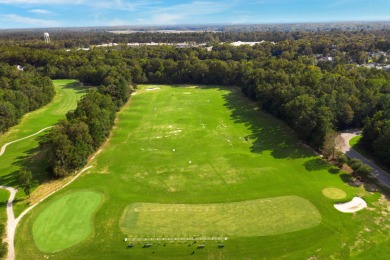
<point>334,193</point>
<point>262,217</point>
<point>66,222</point>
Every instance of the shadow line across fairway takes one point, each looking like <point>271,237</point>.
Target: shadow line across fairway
<point>268,133</point>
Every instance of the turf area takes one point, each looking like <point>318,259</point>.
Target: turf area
<point>279,215</point>
<point>66,221</point>
<point>334,193</point>
<point>195,146</point>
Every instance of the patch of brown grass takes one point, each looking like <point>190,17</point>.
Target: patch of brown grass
<point>46,188</point>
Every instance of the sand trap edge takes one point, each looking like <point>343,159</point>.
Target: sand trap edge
<point>352,206</point>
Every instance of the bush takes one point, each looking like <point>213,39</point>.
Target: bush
<point>364,171</point>
<point>355,164</point>
<point>342,159</point>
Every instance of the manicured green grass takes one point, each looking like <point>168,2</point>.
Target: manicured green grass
<point>68,92</point>
<point>279,215</point>
<point>66,221</point>
<point>354,141</point>
<point>334,193</point>
<point>210,145</point>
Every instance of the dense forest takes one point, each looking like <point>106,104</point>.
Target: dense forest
<point>21,92</point>
<point>286,78</point>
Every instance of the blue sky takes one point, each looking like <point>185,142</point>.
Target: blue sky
<point>70,13</point>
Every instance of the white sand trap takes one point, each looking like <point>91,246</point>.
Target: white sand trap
<point>354,205</point>
<point>152,89</point>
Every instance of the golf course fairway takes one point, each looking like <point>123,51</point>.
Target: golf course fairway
<point>182,166</point>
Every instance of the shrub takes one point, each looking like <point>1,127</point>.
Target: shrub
<point>342,159</point>
<point>364,171</point>
<point>355,164</point>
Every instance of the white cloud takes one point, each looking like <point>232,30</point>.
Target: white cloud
<point>41,11</point>
<point>184,13</point>
<point>28,21</point>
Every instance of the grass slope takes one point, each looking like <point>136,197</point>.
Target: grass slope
<point>66,221</point>
<point>210,145</point>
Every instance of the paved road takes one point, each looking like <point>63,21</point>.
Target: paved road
<point>377,172</point>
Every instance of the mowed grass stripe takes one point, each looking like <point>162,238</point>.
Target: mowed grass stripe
<point>66,221</point>
<point>262,217</point>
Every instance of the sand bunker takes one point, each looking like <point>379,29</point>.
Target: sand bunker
<point>354,205</point>
<point>152,89</point>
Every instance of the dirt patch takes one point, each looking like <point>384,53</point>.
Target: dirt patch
<point>46,188</point>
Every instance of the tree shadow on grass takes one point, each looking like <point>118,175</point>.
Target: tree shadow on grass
<point>334,170</point>
<point>78,87</point>
<point>35,160</point>
<point>268,133</point>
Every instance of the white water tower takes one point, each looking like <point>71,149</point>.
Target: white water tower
<point>46,37</point>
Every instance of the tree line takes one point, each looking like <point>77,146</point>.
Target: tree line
<point>20,93</point>
<point>376,131</point>
<point>72,140</point>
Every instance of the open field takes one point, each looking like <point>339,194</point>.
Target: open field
<point>68,92</point>
<point>193,147</point>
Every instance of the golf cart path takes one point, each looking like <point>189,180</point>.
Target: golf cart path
<point>12,222</point>
<point>10,228</point>
<point>2,151</point>
<point>377,172</point>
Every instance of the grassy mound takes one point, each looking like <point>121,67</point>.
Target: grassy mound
<point>261,217</point>
<point>66,221</point>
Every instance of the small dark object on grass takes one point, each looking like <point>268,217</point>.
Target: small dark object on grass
<point>130,245</point>
<point>153,252</point>
<point>147,245</point>
<point>165,244</point>
<point>193,252</point>
<point>189,245</point>
<point>200,246</point>
<point>194,242</point>
<point>221,246</point>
